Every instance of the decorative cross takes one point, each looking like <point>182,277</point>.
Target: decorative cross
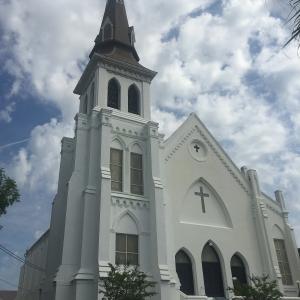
<point>197,148</point>
<point>203,196</point>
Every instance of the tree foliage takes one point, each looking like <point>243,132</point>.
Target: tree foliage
<point>295,19</point>
<point>127,283</point>
<point>9,193</point>
<point>261,288</point>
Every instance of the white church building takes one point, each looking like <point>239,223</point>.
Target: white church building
<point>177,207</point>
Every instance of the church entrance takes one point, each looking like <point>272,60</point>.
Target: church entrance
<point>212,273</point>
<point>238,270</point>
<point>184,271</point>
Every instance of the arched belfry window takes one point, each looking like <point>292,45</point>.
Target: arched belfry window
<point>108,32</point>
<point>184,269</point>
<point>92,96</point>
<point>134,100</point>
<point>113,97</point>
<point>85,105</point>
<point>238,270</point>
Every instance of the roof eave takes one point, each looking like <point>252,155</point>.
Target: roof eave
<point>98,59</point>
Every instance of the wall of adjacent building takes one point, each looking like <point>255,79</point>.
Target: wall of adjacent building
<point>31,277</point>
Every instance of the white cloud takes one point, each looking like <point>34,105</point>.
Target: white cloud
<point>230,68</point>
<point>37,166</point>
<point>5,114</point>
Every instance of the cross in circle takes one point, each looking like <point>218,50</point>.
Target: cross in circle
<point>203,196</point>
<point>197,148</point>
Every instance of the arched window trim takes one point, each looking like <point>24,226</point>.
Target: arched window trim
<point>244,264</point>
<point>136,107</point>
<point>117,94</point>
<point>192,262</point>
<point>221,261</point>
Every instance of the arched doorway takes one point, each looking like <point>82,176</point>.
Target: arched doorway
<point>184,271</point>
<point>212,272</point>
<point>238,270</point>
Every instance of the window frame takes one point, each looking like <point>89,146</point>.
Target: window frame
<point>126,252</point>
<point>141,171</point>
<point>120,165</point>
<point>283,262</point>
<point>92,97</point>
<point>138,100</point>
<point>111,104</point>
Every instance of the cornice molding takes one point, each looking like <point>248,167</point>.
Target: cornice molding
<point>129,202</point>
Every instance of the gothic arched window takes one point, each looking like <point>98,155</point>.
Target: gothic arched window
<point>113,97</point>
<point>85,105</point>
<point>92,96</point>
<point>184,269</point>
<point>108,32</point>
<point>238,270</point>
<point>212,272</point>
<point>133,100</point>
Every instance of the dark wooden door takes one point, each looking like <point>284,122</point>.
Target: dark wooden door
<point>212,272</point>
<point>213,279</point>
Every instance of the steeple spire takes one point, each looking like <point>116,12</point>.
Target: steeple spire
<point>116,39</point>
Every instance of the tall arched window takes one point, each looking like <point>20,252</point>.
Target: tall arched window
<point>113,97</point>
<point>92,96</point>
<point>85,105</point>
<point>212,272</point>
<point>184,271</point>
<point>238,270</point>
<point>134,100</point>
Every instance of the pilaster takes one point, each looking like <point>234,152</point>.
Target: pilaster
<point>158,235</point>
<point>74,216</point>
<point>86,279</point>
<point>264,235</point>
<point>105,191</point>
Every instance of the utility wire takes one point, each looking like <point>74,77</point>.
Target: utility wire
<point>20,259</point>
<point>8,283</point>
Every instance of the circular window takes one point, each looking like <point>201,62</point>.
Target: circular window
<point>198,150</point>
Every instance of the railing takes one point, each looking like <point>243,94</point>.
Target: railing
<point>283,298</point>
<point>185,297</point>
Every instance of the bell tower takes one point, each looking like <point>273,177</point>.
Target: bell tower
<point>115,206</point>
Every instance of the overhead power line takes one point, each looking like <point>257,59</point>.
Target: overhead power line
<point>8,283</point>
<point>20,259</point>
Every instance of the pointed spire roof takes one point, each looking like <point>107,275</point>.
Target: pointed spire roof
<point>116,39</point>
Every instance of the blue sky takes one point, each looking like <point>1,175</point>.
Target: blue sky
<point>223,59</point>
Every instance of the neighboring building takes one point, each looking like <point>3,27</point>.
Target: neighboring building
<point>32,274</point>
<point>178,207</point>
<point>8,295</point>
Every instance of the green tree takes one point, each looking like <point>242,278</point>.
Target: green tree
<point>261,288</point>
<point>9,193</point>
<point>127,283</point>
<point>295,19</point>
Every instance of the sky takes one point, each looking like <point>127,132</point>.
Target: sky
<point>223,59</point>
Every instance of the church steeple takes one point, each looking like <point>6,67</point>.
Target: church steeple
<point>116,39</point>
